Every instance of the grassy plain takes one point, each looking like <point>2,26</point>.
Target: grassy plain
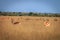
<point>29,28</point>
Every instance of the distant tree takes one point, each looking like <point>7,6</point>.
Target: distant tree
<point>31,13</point>
<point>35,14</point>
<point>3,13</point>
<point>56,15</point>
<point>0,12</point>
<point>45,14</point>
<point>19,13</point>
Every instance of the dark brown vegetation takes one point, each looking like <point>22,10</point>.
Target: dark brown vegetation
<point>29,14</point>
<point>16,23</point>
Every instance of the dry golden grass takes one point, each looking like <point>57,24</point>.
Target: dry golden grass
<point>29,28</point>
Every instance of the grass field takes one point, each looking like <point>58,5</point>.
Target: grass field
<point>29,28</point>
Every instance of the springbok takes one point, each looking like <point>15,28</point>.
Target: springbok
<point>46,23</point>
<point>14,22</point>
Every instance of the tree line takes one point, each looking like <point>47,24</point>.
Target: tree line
<point>29,14</point>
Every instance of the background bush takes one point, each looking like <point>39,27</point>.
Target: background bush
<point>29,14</point>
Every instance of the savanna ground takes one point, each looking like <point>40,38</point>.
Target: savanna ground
<point>29,28</point>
